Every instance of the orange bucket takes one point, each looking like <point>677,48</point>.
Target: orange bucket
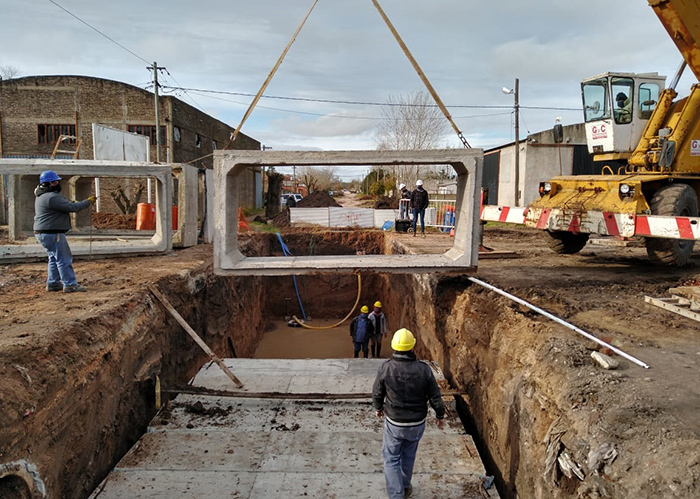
<point>145,216</point>
<point>174,217</point>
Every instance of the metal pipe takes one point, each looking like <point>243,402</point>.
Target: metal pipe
<point>559,321</point>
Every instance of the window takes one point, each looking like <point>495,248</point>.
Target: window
<point>622,93</point>
<point>197,140</point>
<point>176,134</point>
<point>213,145</point>
<point>648,99</point>
<point>48,134</point>
<point>148,131</point>
<point>595,101</point>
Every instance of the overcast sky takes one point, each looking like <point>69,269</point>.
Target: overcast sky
<point>468,49</point>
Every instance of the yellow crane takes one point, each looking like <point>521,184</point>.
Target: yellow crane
<point>648,145</point>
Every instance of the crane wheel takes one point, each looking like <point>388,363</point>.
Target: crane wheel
<point>672,200</point>
<point>566,243</point>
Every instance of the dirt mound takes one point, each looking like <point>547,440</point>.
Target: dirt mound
<point>318,199</point>
<point>386,203</point>
<point>113,221</point>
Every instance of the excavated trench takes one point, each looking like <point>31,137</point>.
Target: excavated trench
<point>487,349</point>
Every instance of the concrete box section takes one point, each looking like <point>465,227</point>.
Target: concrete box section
<point>462,257</point>
<point>27,171</point>
<point>265,447</point>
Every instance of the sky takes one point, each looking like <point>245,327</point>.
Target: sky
<point>469,50</point>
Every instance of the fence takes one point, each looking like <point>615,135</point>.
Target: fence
<point>439,213</point>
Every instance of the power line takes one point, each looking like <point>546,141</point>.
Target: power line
<point>343,116</point>
<point>98,31</point>
<point>363,103</point>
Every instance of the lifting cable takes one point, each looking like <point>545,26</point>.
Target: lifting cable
<point>421,74</point>
<point>269,77</point>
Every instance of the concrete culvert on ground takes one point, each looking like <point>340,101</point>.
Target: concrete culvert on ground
<point>79,372</point>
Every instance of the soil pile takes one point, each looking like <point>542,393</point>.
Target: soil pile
<point>386,203</point>
<point>113,221</point>
<point>319,199</point>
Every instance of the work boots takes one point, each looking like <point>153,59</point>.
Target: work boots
<point>74,288</point>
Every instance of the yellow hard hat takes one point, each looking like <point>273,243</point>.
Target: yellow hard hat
<point>378,304</point>
<point>403,340</point>
<point>364,309</point>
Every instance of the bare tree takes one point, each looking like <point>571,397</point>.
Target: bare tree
<point>318,178</point>
<point>410,122</point>
<point>8,72</point>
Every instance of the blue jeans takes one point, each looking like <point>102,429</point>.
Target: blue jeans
<point>60,259</point>
<point>399,452</point>
<point>417,212</point>
<point>364,346</point>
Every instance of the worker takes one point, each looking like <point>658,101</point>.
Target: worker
<point>623,110</point>
<point>405,203</point>
<point>378,320</point>
<point>51,222</point>
<point>419,202</point>
<point>402,390</point>
<point>361,330</point>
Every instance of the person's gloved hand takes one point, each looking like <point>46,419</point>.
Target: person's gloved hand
<point>92,199</point>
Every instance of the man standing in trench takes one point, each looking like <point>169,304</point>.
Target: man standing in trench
<point>402,390</point>
<point>379,322</point>
<point>51,222</point>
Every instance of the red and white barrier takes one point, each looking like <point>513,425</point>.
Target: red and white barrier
<point>596,222</point>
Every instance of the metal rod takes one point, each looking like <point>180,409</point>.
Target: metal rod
<point>559,321</point>
<point>280,395</point>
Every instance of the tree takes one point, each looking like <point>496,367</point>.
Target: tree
<point>318,178</point>
<point>8,72</point>
<point>410,122</point>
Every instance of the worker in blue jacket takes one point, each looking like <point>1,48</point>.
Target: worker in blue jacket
<point>361,330</point>
<point>51,222</point>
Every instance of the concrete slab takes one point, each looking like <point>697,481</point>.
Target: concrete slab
<point>31,168</point>
<point>462,257</point>
<point>204,445</point>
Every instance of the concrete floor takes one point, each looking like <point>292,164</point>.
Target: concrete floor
<point>209,446</point>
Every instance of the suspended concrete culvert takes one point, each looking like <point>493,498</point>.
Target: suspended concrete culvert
<point>80,375</point>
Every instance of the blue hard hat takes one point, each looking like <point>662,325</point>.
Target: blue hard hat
<point>48,176</point>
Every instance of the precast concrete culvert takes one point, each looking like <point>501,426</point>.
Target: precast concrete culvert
<point>516,391</point>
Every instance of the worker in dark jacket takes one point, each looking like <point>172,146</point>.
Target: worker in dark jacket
<point>401,393</point>
<point>361,330</point>
<point>51,222</point>
<point>419,202</point>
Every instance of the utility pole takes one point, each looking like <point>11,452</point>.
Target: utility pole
<point>517,143</point>
<point>155,69</point>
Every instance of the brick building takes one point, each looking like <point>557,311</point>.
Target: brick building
<point>35,110</point>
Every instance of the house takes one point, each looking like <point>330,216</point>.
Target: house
<point>36,110</point>
<point>541,158</point>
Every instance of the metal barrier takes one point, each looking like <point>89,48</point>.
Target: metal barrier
<point>440,213</point>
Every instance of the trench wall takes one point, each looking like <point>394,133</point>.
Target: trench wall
<point>515,372</point>
<point>92,406</point>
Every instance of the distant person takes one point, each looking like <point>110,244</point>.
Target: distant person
<point>291,202</point>
<point>378,320</point>
<point>401,393</point>
<point>623,109</point>
<point>361,330</point>
<point>405,203</point>
<point>419,202</point>
<point>51,222</point>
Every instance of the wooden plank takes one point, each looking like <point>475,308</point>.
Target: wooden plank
<point>195,336</point>
<point>667,304</point>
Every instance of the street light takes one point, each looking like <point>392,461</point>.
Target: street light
<point>515,92</point>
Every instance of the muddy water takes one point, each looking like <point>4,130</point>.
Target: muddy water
<point>283,342</point>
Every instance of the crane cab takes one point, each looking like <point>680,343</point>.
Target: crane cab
<point>616,108</point>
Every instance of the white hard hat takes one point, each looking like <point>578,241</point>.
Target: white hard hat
<point>419,182</point>
<point>402,186</point>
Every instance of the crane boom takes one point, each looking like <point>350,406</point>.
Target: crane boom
<point>681,18</point>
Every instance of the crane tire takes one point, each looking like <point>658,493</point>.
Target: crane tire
<point>672,200</point>
<point>567,243</point>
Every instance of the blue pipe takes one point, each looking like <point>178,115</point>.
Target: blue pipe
<point>286,252</point>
